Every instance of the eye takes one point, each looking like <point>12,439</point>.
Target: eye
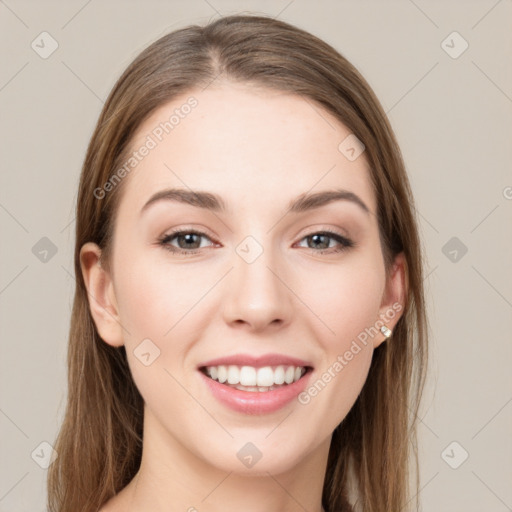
<point>188,241</point>
<point>320,240</point>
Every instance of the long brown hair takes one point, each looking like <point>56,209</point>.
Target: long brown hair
<point>99,445</point>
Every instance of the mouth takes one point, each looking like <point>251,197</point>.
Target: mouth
<point>254,379</point>
<point>255,385</point>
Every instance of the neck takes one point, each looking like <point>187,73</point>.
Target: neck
<point>172,478</point>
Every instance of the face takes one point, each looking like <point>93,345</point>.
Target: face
<point>240,285</point>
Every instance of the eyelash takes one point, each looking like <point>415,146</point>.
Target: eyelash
<point>164,242</point>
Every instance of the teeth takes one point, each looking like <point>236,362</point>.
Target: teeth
<point>279,375</point>
<point>249,378</point>
<point>265,376</point>
<point>233,375</point>
<point>289,375</point>
<point>222,374</point>
<point>246,388</point>
<point>255,388</point>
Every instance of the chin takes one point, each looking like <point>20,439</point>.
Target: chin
<point>248,458</point>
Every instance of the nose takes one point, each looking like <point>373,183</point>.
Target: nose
<point>258,296</point>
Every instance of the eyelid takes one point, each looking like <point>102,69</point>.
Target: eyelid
<point>189,229</point>
<point>343,241</point>
<point>304,232</point>
<point>311,229</point>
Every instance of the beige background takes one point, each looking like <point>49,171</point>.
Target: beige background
<point>452,117</point>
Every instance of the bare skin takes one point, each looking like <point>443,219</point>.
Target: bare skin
<point>258,150</point>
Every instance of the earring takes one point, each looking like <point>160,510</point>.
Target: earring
<point>386,331</point>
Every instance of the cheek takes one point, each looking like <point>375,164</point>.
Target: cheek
<point>170,306</point>
<point>156,306</point>
<point>159,300</point>
<point>349,307</point>
<point>155,297</point>
<point>348,303</point>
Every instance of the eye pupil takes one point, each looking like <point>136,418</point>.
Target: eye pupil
<point>316,237</point>
<point>189,239</point>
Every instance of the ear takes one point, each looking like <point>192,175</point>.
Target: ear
<point>100,291</point>
<point>393,298</point>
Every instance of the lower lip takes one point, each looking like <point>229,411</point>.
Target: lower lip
<point>256,402</point>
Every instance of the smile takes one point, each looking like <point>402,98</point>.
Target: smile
<point>255,385</point>
<point>252,379</point>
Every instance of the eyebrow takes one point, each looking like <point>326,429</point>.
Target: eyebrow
<point>215,203</point>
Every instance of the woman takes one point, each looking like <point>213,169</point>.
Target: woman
<point>249,329</point>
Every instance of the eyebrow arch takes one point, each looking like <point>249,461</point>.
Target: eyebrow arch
<point>215,203</point>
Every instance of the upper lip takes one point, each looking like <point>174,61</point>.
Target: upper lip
<point>256,361</point>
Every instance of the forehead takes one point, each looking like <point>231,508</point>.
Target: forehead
<point>249,145</point>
